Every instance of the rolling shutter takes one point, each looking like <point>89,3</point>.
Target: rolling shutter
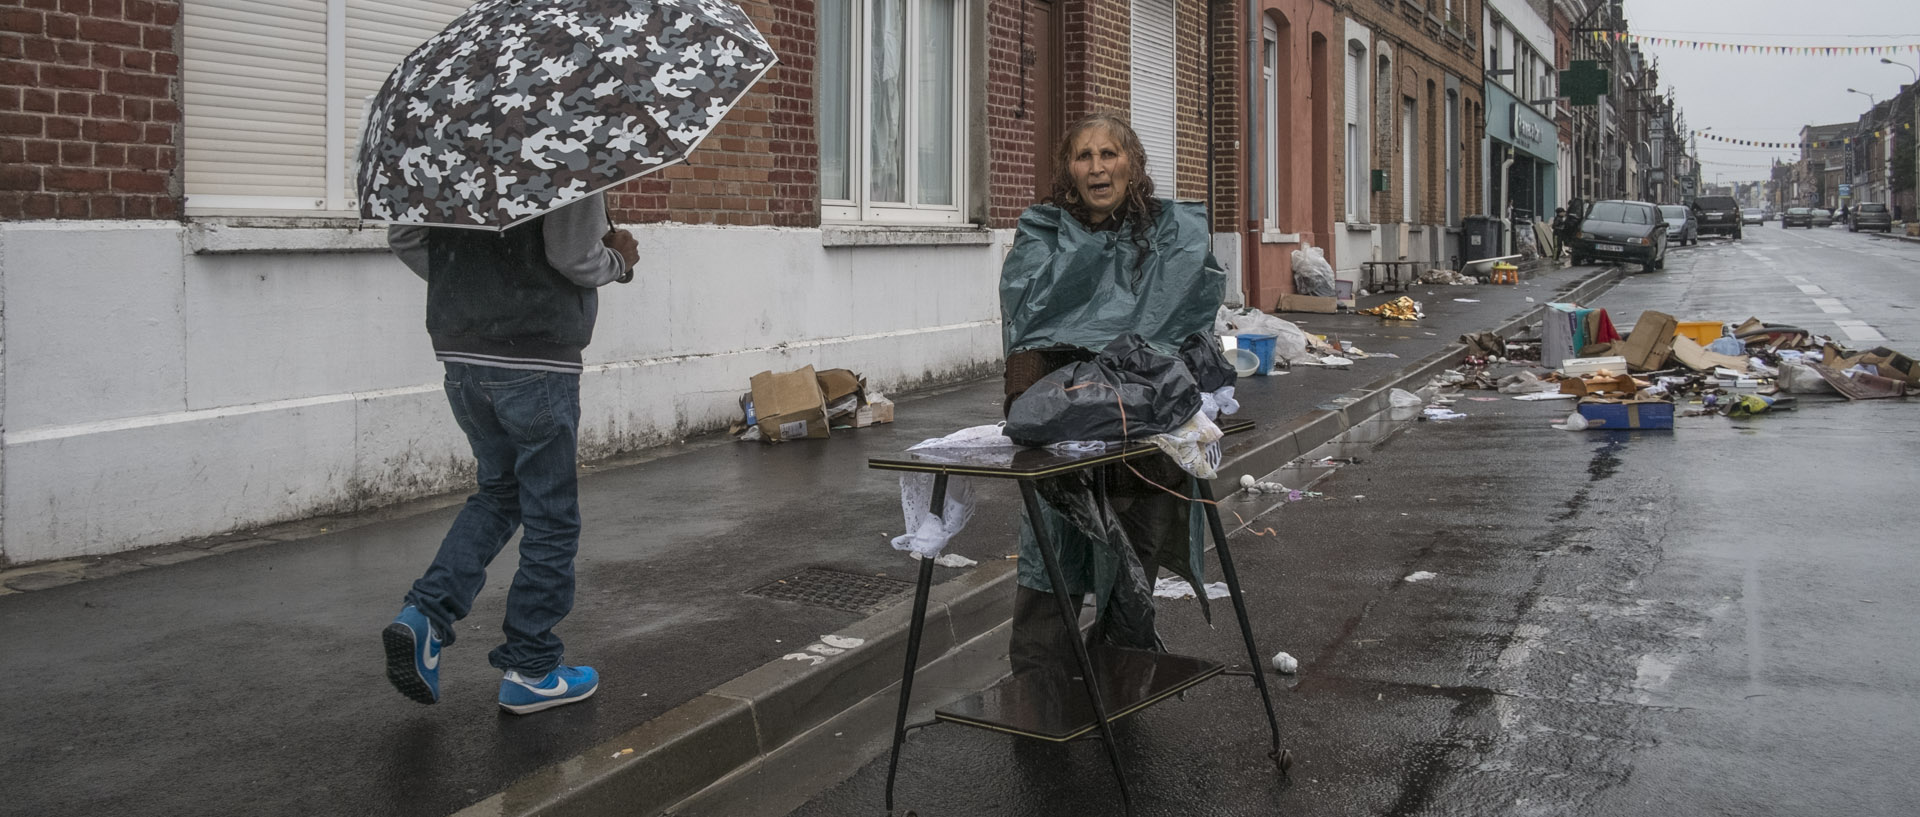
<point>1153,90</point>
<point>270,84</point>
<point>254,95</point>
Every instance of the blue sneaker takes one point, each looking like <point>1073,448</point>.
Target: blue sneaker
<point>413,655</point>
<point>522,695</point>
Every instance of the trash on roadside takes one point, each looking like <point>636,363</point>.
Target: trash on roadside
<point>1401,398</point>
<point>789,405</point>
<point>1285,664</point>
<point>1402,308</point>
<point>1420,576</point>
<point>1608,414</point>
<point>1174,587</point>
<point>1574,422</point>
<point>1651,342</point>
<point>1440,413</point>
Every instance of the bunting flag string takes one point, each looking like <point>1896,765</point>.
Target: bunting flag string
<point>1741,48</point>
<point>1814,145</point>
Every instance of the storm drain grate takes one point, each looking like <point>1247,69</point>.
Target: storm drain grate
<point>851,592</point>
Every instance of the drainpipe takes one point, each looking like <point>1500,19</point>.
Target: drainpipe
<point>1249,145</point>
<point>1506,213</point>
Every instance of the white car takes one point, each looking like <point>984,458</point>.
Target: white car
<point>1753,215</point>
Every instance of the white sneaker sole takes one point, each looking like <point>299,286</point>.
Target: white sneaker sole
<point>528,709</point>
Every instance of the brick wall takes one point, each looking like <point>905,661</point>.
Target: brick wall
<point>1010,163</point>
<point>1423,51</point>
<point>1229,119</point>
<point>1190,94</point>
<point>89,109</point>
<point>761,166</point>
<point>1098,44</point>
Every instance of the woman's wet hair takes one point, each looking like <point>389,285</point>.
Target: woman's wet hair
<point>1139,208</point>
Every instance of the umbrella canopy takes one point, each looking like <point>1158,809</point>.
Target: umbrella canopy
<point>521,106</point>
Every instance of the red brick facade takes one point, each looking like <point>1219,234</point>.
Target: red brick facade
<point>1424,51</point>
<point>89,109</point>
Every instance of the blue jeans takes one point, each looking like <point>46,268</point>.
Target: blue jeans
<point>523,427</point>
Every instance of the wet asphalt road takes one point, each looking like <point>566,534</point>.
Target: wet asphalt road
<point>1716,620</point>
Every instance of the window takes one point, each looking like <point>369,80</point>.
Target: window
<point>1356,132</point>
<point>272,95</point>
<point>1270,145</point>
<point>1408,120</point>
<point>892,78</point>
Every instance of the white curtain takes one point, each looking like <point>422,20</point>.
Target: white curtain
<point>836,83</point>
<point>887,136</point>
<point>935,102</point>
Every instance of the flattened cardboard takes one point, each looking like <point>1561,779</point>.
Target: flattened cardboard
<point>1696,357</point>
<point>877,410</point>
<point>789,405</point>
<point>1650,341</point>
<point>1309,303</point>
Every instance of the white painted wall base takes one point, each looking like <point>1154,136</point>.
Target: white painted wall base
<point>149,394</point>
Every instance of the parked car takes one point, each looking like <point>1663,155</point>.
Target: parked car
<point>1680,224</point>
<point>1753,215</point>
<point>1797,217</point>
<point>1822,217</point>
<point>1871,216</point>
<point>1718,215</point>
<point>1622,231</point>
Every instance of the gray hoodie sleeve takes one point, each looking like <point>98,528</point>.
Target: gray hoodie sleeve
<point>573,243</point>
<point>409,242</point>
<point>572,234</point>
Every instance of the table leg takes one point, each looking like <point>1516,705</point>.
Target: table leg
<point>1205,490</point>
<point>913,642</point>
<point>1070,616</point>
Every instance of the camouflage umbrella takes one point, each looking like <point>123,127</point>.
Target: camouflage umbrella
<point>520,106</point>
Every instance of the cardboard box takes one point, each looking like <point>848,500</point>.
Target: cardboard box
<point>789,405</point>
<point>1309,303</point>
<point>1622,385</point>
<point>836,386</point>
<point>877,410</point>
<point>1588,365</point>
<point>1696,357</point>
<point>1650,342</point>
<point>1610,415</point>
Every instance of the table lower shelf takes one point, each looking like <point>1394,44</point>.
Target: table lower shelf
<point>1054,707</point>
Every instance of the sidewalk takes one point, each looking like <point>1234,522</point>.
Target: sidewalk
<point>246,677</point>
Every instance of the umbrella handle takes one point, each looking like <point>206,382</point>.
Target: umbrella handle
<point>626,276</point>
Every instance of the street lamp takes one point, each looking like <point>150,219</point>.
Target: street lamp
<point>1916,74</point>
<point>1869,96</point>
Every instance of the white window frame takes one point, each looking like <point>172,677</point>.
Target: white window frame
<point>1359,147</point>
<point>211,27</point>
<point>1270,152</point>
<point>860,208</point>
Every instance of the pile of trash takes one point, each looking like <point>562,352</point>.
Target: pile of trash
<point>806,405</point>
<point>1447,277</point>
<point>1636,380</point>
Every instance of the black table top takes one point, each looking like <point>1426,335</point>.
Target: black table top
<point>1018,463</point>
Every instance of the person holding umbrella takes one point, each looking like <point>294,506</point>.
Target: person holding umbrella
<point>489,149</point>
<point>509,314</point>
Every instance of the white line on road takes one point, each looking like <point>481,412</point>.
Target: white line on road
<point>1812,290</point>
<point>1859,330</point>
<point>1831,306</point>
<point>1796,279</point>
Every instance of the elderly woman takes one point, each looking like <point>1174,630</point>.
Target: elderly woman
<point>1102,257</point>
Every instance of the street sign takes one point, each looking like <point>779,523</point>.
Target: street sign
<point>1846,191</point>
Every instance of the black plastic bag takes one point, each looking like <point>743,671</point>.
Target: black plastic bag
<point>1129,392</point>
<point>1208,365</point>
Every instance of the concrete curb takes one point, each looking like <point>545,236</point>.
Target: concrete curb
<point>729,729</point>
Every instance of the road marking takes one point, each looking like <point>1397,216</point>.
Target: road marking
<point>1831,306</point>
<point>1796,279</point>
<point>1812,290</point>
<point>1859,330</point>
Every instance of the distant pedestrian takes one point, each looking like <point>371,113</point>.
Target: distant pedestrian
<point>509,313</point>
<point>1564,226</point>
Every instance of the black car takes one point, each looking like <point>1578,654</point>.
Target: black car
<point>1622,231</point>
<point>1718,215</point>
<point>1871,216</point>
<point>1797,217</point>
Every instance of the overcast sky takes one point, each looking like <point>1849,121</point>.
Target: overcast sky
<point>1767,97</point>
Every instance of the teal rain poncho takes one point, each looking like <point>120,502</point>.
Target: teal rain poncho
<point>1064,285</point>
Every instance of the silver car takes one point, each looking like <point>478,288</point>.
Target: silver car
<point>1681,228</point>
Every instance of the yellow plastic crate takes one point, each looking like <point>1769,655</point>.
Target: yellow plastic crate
<point>1702,332</point>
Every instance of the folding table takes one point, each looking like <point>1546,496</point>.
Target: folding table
<point>1115,682</point>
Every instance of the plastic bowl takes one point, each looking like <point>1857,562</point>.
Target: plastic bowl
<point>1244,361</point>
